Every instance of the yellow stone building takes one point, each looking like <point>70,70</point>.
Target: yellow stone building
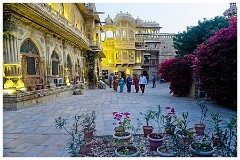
<point>133,46</point>
<point>48,44</point>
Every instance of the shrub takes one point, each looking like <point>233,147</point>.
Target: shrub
<point>178,71</point>
<point>216,65</point>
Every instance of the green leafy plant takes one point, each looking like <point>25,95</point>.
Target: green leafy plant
<point>75,141</point>
<point>148,115</point>
<point>89,121</point>
<point>201,103</point>
<point>228,136</point>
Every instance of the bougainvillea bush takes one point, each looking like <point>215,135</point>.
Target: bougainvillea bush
<point>178,71</point>
<point>216,65</point>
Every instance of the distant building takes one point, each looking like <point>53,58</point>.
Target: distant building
<point>133,46</point>
<point>232,11</point>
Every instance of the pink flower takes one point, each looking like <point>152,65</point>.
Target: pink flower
<point>168,107</point>
<point>172,110</point>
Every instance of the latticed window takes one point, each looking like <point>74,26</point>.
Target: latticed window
<point>30,58</point>
<point>69,64</point>
<point>55,63</point>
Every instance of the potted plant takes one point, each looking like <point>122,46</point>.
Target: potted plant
<point>225,139</point>
<point>89,124</point>
<point>75,141</point>
<point>156,139</point>
<point>200,127</point>
<point>123,121</point>
<point>127,151</point>
<point>147,116</point>
<point>169,120</point>
<point>32,87</point>
<point>202,148</point>
<point>184,134</point>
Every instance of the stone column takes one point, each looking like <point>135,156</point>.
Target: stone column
<point>48,70</point>
<point>12,72</point>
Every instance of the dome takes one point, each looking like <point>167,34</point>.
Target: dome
<point>108,20</point>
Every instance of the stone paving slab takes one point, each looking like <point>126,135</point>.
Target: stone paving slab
<point>31,132</point>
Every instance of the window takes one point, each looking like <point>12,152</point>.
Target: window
<point>69,64</point>
<point>124,33</point>
<point>55,63</point>
<point>117,33</point>
<point>105,74</point>
<point>30,58</point>
<point>146,59</point>
<point>60,8</point>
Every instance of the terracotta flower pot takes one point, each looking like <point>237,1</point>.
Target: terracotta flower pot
<point>155,140</point>
<point>147,130</point>
<point>86,149</point>
<point>199,128</point>
<point>89,134</point>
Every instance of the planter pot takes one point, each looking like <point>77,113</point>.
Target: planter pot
<point>89,135</point>
<point>162,152</point>
<point>86,149</point>
<point>216,140</point>
<point>155,140</point>
<point>196,153</point>
<point>132,151</point>
<point>184,141</point>
<point>147,130</point>
<point>32,88</point>
<point>120,139</point>
<point>39,86</point>
<point>199,129</point>
<point>169,131</point>
<point>118,130</point>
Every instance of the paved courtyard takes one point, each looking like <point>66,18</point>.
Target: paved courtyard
<point>31,132</point>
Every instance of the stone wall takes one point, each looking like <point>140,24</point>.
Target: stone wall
<point>28,99</point>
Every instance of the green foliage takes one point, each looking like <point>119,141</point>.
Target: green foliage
<point>148,115</point>
<point>228,134</point>
<point>201,103</point>
<point>188,41</point>
<point>75,141</point>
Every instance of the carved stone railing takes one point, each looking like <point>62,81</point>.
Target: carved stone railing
<point>56,17</point>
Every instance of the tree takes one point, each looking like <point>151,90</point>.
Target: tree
<point>178,71</point>
<point>188,41</point>
<point>216,65</point>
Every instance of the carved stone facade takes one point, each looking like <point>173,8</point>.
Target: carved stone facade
<point>45,41</point>
<point>133,46</point>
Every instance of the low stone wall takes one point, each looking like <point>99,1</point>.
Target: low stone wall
<point>27,99</point>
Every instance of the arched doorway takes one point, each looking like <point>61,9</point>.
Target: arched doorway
<point>55,64</point>
<point>30,64</point>
<point>69,67</point>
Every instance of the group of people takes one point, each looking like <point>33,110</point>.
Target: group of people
<point>138,82</point>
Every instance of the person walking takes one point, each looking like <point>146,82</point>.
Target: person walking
<point>129,83</point>
<point>115,83</point>
<point>136,83</point>
<point>154,81</point>
<point>110,80</point>
<point>121,83</point>
<point>142,82</point>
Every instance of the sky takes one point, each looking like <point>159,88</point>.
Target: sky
<point>172,17</point>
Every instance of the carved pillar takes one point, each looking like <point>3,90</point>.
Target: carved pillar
<point>48,70</point>
<point>12,72</point>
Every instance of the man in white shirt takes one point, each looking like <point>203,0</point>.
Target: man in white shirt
<point>142,82</point>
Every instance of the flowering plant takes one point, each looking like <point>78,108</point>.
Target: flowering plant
<point>170,118</point>
<point>122,120</point>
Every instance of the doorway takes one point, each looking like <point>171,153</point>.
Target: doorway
<point>123,75</point>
